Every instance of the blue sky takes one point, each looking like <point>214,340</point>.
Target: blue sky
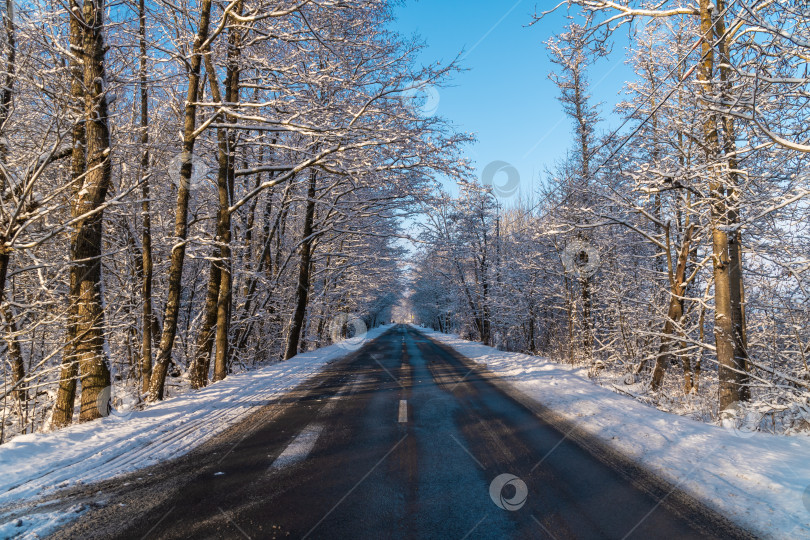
<point>505,97</point>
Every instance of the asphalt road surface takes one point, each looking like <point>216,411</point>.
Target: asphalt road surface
<point>403,439</point>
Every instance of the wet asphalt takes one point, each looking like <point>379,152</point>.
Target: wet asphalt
<point>342,457</point>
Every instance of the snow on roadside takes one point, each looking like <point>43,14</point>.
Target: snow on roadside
<point>760,481</point>
<point>40,524</point>
<point>37,464</point>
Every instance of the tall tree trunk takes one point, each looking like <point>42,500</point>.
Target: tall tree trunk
<point>7,91</point>
<point>66,393</point>
<point>669,339</point>
<point>587,317</point>
<point>6,94</point>
<point>223,312</point>
<point>737,291</point>
<point>324,305</point>
<point>477,318</point>
<point>731,372</point>
<point>569,309</point>
<point>175,284</point>
<point>201,363</point>
<point>86,239</point>
<point>146,234</point>
<point>265,265</point>
<point>302,342</point>
<point>531,341</point>
<point>584,147</point>
<point>205,339</point>
<point>14,354</point>
<point>486,332</point>
<point>225,186</point>
<point>220,296</point>
<point>302,292</point>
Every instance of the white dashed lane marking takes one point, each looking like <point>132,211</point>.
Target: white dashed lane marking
<point>304,442</point>
<point>403,411</point>
<point>299,448</point>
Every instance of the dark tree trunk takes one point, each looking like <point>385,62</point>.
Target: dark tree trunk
<point>66,393</point>
<point>146,234</point>
<point>587,317</point>
<point>225,186</point>
<point>15,355</point>
<point>6,94</point>
<point>205,339</point>
<point>302,292</point>
<point>86,239</point>
<point>669,339</point>
<point>175,282</point>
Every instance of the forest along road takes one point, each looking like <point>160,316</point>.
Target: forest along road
<point>402,439</point>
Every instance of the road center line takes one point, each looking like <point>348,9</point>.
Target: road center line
<point>403,411</point>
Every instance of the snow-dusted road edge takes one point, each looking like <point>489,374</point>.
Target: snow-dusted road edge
<point>758,480</point>
<point>35,465</point>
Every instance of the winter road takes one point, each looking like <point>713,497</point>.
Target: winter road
<point>402,439</point>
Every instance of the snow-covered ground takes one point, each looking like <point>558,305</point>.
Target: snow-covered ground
<point>32,466</point>
<point>759,480</point>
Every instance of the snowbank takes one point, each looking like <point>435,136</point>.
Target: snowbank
<point>761,481</point>
<point>37,464</point>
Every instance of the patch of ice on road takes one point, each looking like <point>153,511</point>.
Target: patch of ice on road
<point>760,481</point>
